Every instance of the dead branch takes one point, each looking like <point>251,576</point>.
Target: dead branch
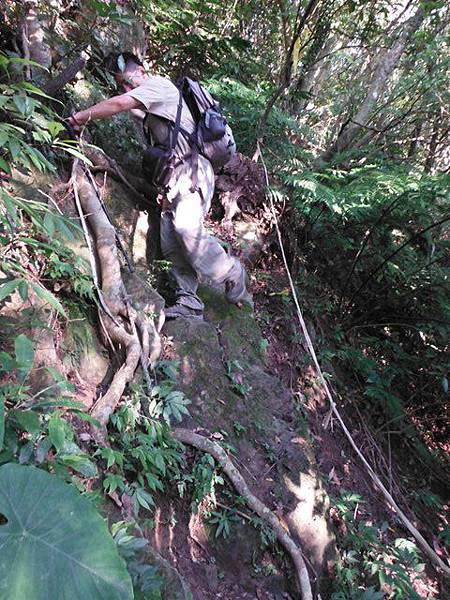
<point>201,443</point>
<point>66,75</point>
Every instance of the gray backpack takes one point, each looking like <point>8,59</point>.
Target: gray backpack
<point>212,137</point>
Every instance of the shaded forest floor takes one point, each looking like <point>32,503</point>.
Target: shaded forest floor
<point>340,469</point>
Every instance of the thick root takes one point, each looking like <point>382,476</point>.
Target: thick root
<point>201,443</point>
<point>118,322</point>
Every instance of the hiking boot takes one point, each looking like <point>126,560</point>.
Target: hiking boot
<point>236,292</point>
<point>179,311</point>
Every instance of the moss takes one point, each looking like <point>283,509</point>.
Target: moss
<point>240,333</point>
<point>216,307</point>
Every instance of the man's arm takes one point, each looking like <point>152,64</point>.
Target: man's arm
<point>105,108</point>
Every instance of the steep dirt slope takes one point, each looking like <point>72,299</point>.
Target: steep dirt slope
<point>239,402</point>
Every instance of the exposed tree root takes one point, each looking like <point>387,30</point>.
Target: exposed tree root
<point>106,405</point>
<point>201,443</point>
<point>119,321</point>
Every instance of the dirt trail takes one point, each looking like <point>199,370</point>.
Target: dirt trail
<point>223,370</point>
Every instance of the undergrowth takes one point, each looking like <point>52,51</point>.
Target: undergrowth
<point>372,566</point>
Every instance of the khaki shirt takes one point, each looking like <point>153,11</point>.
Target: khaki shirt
<point>160,98</point>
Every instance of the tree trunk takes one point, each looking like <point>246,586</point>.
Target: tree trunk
<point>307,82</point>
<point>381,75</point>
<point>286,73</point>
<point>432,146</point>
<point>33,42</point>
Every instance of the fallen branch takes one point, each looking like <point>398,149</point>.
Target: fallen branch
<point>201,443</point>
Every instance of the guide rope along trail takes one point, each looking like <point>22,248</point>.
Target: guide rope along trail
<point>333,408</point>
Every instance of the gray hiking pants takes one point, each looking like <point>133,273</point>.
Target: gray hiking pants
<point>184,240</point>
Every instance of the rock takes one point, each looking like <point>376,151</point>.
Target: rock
<point>174,586</point>
<point>250,240</point>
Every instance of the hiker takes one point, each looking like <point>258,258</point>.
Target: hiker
<point>187,193</point>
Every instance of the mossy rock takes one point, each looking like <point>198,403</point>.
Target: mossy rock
<point>256,414</point>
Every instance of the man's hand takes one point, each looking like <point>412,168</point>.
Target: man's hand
<point>76,122</point>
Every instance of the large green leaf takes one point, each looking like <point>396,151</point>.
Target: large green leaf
<point>2,422</point>
<point>54,544</point>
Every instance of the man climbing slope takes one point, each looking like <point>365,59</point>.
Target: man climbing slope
<point>184,240</point>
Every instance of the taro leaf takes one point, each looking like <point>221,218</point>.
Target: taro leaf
<point>2,422</point>
<point>54,544</point>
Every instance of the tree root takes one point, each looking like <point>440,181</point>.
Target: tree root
<point>121,324</point>
<point>201,443</point>
<point>106,405</point>
<point>119,320</point>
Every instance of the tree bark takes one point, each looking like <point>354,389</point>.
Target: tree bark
<point>33,41</point>
<point>307,82</point>
<point>66,75</point>
<point>432,146</point>
<point>381,75</point>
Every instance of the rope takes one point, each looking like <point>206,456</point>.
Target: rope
<point>377,481</point>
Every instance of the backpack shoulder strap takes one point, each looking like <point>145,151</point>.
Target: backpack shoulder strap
<point>177,124</point>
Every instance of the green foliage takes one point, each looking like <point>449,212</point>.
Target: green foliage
<point>204,479</point>
<point>164,401</point>
<point>223,520</point>
<point>192,34</point>
<point>143,454</point>
<point>239,428</point>
<point>234,373</point>
<point>27,123</point>
<point>146,581</point>
<point>375,242</point>
<point>33,427</point>
<point>51,524</point>
<point>244,106</point>
<point>30,139</point>
<point>369,556</point>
